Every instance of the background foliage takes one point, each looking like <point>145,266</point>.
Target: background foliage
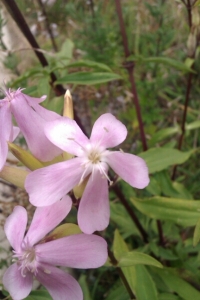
<point>157,259</point>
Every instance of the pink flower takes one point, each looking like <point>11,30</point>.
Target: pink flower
<point>31,118</point>
<point>39,260</point>
<point>8,132</point>
<point>54,181</point>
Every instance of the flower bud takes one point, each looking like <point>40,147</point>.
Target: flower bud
<point>25,157</point>
<point>16,176</point>
<point>68,110</point>
<point>62,231</point>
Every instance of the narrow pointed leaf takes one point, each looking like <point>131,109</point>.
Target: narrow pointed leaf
<point>135,258</point>
<point>88,78</point>
<point>158,159</point>
<point>148,289</point>
<point>182,212</point>
<point>178,285</point>
<point>196,237</point>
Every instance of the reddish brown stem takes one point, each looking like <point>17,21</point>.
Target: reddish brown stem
<point>130,68</point>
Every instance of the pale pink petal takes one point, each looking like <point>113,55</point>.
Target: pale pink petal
<point>15,227</point>
<point>67,135</point>
<point>108,131</point>
<point>46,114</point>
<point>32,100</point>
<point>18,286</point>
<point>32,127</point>
<point>15,133</point>
<point>48,185</point>
<point>81,251</point>
<point>94,209</point>
<point>60,285</point>
<point>130,168</point>
<point>5,131</point>
<point>47,218</point>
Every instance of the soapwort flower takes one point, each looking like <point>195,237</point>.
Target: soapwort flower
<point>31,118</point>
<point>92,158</point>
<point>8,132</point>
<point>39,259</point>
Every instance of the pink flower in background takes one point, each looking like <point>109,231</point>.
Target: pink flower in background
<point>33,259</point>
<point>51,183</point>
<point>31,119</point>
<point>8,132</point>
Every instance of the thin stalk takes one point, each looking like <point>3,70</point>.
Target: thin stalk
<point>48,25</point>
<point>130,211</point>
<point>121,274</point>
<point>187,98</point>
<point>130,68</point>
<point>19,19</point>
<point>188,90</point>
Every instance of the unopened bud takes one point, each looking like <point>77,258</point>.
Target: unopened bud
<point>16,176</point>
<point>191,44</point>
<point>26,158</point>
<point>62,231</point>
<point>68,110</point>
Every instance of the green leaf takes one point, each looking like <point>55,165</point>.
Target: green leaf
<point>66,51</point>
<point>158,159</point>
<point>135,258</point>
<point>178,285</point>
<point>89,64</point>
<point>119,248</point>
<point>135,274</point>
<point>193,125</point>
<point>119,216</point>
<point>162,134</point>
<point>196,237</point>
<point>145,288</point>
<point>83,283</point>
<point>118,293</point>
<point>183,212</point>
<point>39,295</point>
<point>168,296</point>
<point>174,63</point>
<point>88,78</point>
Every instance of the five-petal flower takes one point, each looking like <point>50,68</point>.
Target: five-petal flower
<point>40,259</point>
<point>92,158</point>
<point>31,118</point>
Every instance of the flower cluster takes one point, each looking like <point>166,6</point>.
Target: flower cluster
<point>49,135</point>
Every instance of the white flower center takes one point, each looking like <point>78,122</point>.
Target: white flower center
<point>26,259</point>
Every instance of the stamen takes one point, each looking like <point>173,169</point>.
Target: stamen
<point>72,139</point>
<point>47,271</point>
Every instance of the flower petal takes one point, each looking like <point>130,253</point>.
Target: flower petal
<point>94,209</point>
<point>130,168</point>
<point>15,133</point>
<point>5,131</point>
<point>47,218</point>
<point>48,185</point>
<point>108,131</point>
<point>76,251</point>
<point>15,227</point>
<point>32,127</point>
<point>18,286</point>
<point>59,284</point>
<point>46,114</point>
<point>66,134</point>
